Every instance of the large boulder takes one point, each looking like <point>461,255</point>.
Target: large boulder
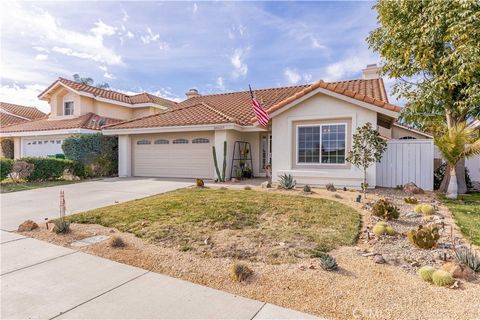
<point>459,271</point>
<point>412,188</point>
<point>27,225</point>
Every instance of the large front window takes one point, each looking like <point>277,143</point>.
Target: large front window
<point>321,144</point>
<point>68,108</point>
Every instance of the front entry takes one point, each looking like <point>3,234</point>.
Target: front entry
<point>265,150</point>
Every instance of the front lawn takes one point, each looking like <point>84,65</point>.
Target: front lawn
<point>241,224</point>
<point>466,211</point>
<point>6,187</point>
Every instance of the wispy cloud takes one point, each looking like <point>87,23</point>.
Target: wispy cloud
<point>149,37</point>
<point>24,95</point>
<point>293,76</point>
<point>125,15</point>
<point>220,85</point>
<point>41,57</point>
<point>195,8</point>
<point>240,68</point>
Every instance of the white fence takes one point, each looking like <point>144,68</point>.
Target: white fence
<point>407,161</point>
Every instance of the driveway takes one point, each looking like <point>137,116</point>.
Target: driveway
<point>42,203</point>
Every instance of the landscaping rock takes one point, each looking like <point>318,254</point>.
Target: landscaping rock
<point>459,271</point>
<point>412,188</point>
<point>379,259</point>
<point>266,185</point>
<point>27,225</point>
<point>413,215</point>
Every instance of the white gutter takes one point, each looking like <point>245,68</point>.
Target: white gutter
<point>46,132</point>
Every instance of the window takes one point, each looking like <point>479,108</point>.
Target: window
<point>59,141</point>
<point>180,141</point>
<point>321,144</point>
<point>144,141</point>
<point>200,140</point>
<point>68,108</point>
<point>161,141</point>
<point>407,138</point>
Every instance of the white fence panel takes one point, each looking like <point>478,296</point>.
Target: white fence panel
<point>407,161</point>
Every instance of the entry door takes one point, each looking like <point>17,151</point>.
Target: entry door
<point>266,152</point>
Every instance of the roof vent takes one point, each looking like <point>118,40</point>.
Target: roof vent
<point>192,93</point>
<point>371,72</point>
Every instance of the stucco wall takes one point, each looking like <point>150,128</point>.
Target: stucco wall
<point>323,108</point>
<point>398,133</point>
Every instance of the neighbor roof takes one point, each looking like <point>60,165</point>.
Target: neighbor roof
<point>13,114</point>
<point>111,95</point>
<point>90,121</point>
<point>235,107</point>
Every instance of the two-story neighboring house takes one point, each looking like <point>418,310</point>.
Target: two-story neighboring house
<point>76,108</point>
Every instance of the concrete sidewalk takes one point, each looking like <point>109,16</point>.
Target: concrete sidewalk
<point>44,281</point>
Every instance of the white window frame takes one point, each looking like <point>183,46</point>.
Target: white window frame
<point>320,156</point>
<point>65,105</point>
<point>181,141</point>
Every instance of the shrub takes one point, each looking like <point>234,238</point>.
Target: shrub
<point>383,208</point>
<point>247,188</point>
<point>23,170</point>
<point>96,151</point>
<point>442,278</point>
<point>199,183</point>
<point>6,166</point>
<point>307,189</point>
<point>117,242</point>
<point>382,228</point>
<point>468,257</point>
<point>7,148</point>
<point>428,209</point>
<point>53,168</point>
<point>239,272</point>
<point>418,208</point>
<point>287,182</point>
<point>61,226</point>
<point>411,200</point>
<point>327,262</point>
<point>424,237</point>
<point>330,187</point>
<point>426,272</point>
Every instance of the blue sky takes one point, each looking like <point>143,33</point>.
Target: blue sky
<point>168,47</point>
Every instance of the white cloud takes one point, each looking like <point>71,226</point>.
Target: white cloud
<point>302,32</point>
<point>195,8</point>
<point>78,54</point>
<point>41,57</point>
<point>125,15</point>
<point>26,95</point>
<point>149,37</point>
<point>293,76</point>
<point>108,75</point>
<point>240,68</point>
<point>352,64</point>
<point>41,49</point>
<point>129,35</point>
<point>101,29</point>
<point>220,84</point>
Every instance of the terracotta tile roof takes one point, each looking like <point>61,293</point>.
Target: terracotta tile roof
<point>13,113</point>
<point>236,106</point>
<point>112,95</point>
<point>87,121</point>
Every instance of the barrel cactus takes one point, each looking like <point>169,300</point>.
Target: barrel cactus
<point>382,228</point>
<point>442,278</point>
<point>428,209</point>
<point>418,208</point>
<point>424,237</point>
<point>426,272</point>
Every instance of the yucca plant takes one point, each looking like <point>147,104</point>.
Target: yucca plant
<point>459,142</point>
<point>60,225</point>
<point>287,182</point>
<point>327,262</point>
<point>468,257</point>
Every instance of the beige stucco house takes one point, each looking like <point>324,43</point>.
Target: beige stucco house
<point>77,108</point>
<point>309,135</point>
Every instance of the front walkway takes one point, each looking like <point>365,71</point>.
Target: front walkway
<point>41,280</point>
<point>42,203</point>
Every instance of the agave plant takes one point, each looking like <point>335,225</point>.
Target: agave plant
<point>327,262</point>
<point>459,142</point>
<point>287,182</point>
<point>468,257</point>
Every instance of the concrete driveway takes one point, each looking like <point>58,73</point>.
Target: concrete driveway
<point>42,203</point>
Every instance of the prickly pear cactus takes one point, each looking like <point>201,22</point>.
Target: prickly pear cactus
<point>424,237</point>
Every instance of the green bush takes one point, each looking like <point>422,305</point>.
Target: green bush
<point>97,152</point>
<point>53,168</point>
<point>5,167</point>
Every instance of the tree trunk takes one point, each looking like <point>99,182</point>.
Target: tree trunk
<point>452,191</point>
<point>364,187</point>
<point>461,181</point>
<point>446,180</point>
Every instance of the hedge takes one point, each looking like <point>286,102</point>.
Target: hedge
<point>51,168</point>
<point>5,167</point>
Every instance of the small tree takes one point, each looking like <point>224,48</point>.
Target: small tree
<point>368,148</point>
<point>7,148</point>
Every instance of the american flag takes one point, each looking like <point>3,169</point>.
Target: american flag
<point>260,113</point>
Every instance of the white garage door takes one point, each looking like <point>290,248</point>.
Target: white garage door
<point>42,147</point>
<point>177,156</point>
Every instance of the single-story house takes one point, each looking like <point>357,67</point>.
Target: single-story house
<point>309,135</point>
<point>76,108</point>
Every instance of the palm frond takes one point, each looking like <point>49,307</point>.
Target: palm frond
<point>458,143</point>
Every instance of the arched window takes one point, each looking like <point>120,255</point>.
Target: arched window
<point>144,141</point>
<point>200,140</point>
<point>407,138</point>
<point>180,141</point>
<point>161,141</point>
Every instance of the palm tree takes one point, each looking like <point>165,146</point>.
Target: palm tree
<point>459,142</point>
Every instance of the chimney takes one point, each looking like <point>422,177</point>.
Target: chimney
<point>192,93</point>
<point>371,72</point>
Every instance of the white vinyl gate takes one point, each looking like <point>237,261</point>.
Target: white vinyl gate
<point>407,161</point>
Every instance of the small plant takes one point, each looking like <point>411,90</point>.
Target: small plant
<point>424,237</point>
<point>442,278</point>
<point>382,228</point>
<point>239,272</point>
<point>327,262</point>
<point>199,183</point>
<point>61,226</point>
<point>117,242</point>
<point>418,208</point>
<point>185,248</point>
<point>22,170</point>
<point>426,272</point>
<point>247,188</point>
<point>287,182</point>
<point>384,209</point>
<point>307,189</point>
<point>411,200</point>
<point>330,187</point>
<point>399,187</point>
<point>220,176</point>
<point>468,257</point>
<point>428,209</point>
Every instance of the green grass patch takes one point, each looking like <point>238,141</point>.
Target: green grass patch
<point>466,211</point>
<point>6,187</point>
<point>186,217</point>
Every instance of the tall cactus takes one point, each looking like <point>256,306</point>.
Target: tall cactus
<point>221,177</point>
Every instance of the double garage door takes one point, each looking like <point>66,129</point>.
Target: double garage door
<point>42,147</point>
<point>173,156</point>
